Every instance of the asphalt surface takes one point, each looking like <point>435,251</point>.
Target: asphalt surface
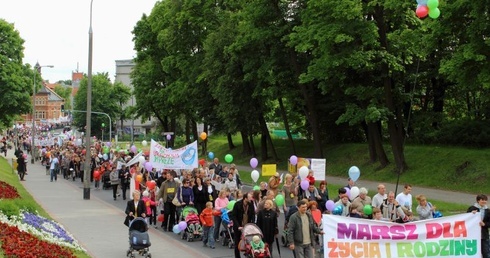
<point>98,223</point>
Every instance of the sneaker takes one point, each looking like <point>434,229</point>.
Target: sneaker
<point>212,247</point>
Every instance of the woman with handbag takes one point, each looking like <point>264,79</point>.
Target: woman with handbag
<point>185,195</point>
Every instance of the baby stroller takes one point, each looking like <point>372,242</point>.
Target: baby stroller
<point>248,232</point>
<point>227,233</point>
<point>106,180</point>
<point>139,240</point>
<point>194,230</point>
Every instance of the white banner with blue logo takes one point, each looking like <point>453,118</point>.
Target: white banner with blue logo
<point>182,158</point>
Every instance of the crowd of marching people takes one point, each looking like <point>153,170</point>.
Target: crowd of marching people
<point>208,203</point>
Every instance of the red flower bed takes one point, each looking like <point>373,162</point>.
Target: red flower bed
<point>7,191</point>
<point>16,243</point>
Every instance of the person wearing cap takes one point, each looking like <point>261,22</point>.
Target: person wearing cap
<point>274,182</point>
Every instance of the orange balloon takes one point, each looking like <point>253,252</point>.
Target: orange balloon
<point>204,136</point>
<point>139,178</point>
<point>160,217</point>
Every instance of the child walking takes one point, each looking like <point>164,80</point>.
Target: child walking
<point>207,221</point>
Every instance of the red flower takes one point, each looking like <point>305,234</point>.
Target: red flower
<point>16,244</point>
<point>7,191</point>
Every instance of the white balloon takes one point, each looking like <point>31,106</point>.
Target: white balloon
<point>255,175</point>
<point>354,192</point>
<point>303,172</point>
<point>141,159</point>
<point>79,142</point>
<point>144,143</point>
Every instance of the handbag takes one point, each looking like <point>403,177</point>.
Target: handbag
<point>175,200</point>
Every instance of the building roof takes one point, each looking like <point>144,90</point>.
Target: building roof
<point>52,96</point>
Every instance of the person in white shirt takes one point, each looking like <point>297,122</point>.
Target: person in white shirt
<point>55,164</point>
<point>380,196</point>
<point>405,198</point>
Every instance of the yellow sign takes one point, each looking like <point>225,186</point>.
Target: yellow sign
<point>268,169</point>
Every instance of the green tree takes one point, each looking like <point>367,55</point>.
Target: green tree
<point>16,79</point>
<point>65,93</point>
<point>121,94</point>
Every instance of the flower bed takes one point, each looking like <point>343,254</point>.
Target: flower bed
<point>7,191</point>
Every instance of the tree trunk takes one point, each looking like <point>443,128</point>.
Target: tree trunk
<point>286,125</point>
<point>375,134</point>
<point>252,145</point>
<point>194,130</point>
<point>187,131</point>
<point>173,128</point>
<point>246,144</point>
<point>395,122</point>
<point>231,146</point>
<point>439,90</point>
<point>205,142</point>
<point>373,157</point>
<point>268,138</point>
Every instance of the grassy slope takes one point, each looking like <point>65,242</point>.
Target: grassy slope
<point>451,168</point>
<point>25,202</point>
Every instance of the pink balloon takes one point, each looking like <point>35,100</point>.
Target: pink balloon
<point>294,160</point>
<point>422,11</point>
<point>254,162</point>
<point>304,184</point>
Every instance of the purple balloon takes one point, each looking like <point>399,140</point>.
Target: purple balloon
<point>254,162</point>
<point>148,166</point>
<point>108,144</point>
<point>330,205</point>
<point>169,137</point>
<point>304,184</point>
<point>182,225</point>
<point>133,149</point>
<point>294,160</point>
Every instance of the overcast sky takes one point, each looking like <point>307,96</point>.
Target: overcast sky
<point>56,32</point>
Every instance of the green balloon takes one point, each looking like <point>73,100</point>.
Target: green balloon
<point>256,188</point>
<point>368,209</point>
<point>432,4</point>
<point>126,152</point>
<point>230,205</point>
<point>106,150</point>
<point>229,158</point>
<point>434,13</point>
<point>279,200</point>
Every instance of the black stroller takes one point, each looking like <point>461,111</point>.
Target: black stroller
<point>106,180</point>
<point>227,233</point>
<point>139,240</point>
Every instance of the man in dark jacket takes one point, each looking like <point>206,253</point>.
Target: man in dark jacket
<point>302,244</point>
<point>242,213</point>
<point>21,166</point>
<point>481,207</point>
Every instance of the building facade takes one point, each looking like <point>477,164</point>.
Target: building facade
<point>48,107</point>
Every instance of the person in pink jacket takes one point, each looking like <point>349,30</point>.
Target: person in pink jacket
<point>220,203</point>
<point>148,203</point>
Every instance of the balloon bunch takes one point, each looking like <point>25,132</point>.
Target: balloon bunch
<point>429,7</point>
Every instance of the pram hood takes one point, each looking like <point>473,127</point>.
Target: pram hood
<point>186,209</point>
<point>250,229</point>
<point>138,224</point>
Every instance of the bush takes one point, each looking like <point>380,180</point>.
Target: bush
<point>469,133</point>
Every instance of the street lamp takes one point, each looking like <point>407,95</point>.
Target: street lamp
<point>37,69</point>
<point>88,158</point>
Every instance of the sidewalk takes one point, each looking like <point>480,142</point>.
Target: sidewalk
<point>430,193</point>
<point>97,225</point>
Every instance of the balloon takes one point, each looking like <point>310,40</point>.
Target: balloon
<point>422,11</point>
<point>422,2</point>
<point>354,173</point>
<point>432,4</point>
<point>437,214</point>
<point>338,210</point>
<point>279,200</point>
<point>255,175</point>
<point>141,159</point>
<point>24,156</point>
<point>368,209</point>
<point>254,162</point>
<point>434,13</point>
<point>303,172</point>
<point>230,205</point>
<point>106,149</point>
<point>354,192</point>
<point>229,158</point>
<point>211,155</point>
<point>304,184</point>
<point>330,205</point>
<point>202,162</point>
<point>148,166</point>
<point>105,157</point>
<point>160,218</point>
<point>203,136</point>
<point>96,173</point>
<point>144,143</point>
<point>176,229</point>
<point>108,144</point>
<point>151,184</point>
<point>139,178</point>
<point>169,137</point>
<point>133,149</point>
<point>182,225</point>
<point>79,142</point>
<point>256,188</point>
<point>294,160</point>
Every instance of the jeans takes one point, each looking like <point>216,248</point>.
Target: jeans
<point>485,248</point>
<point>53,175</point>
<point>208,235</point>
<point>303,251</point>
<point>217,226</point>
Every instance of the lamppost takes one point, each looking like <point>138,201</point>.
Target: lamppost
<point>103,127</point>
<point>88,156</point>
<point>37,69</point>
